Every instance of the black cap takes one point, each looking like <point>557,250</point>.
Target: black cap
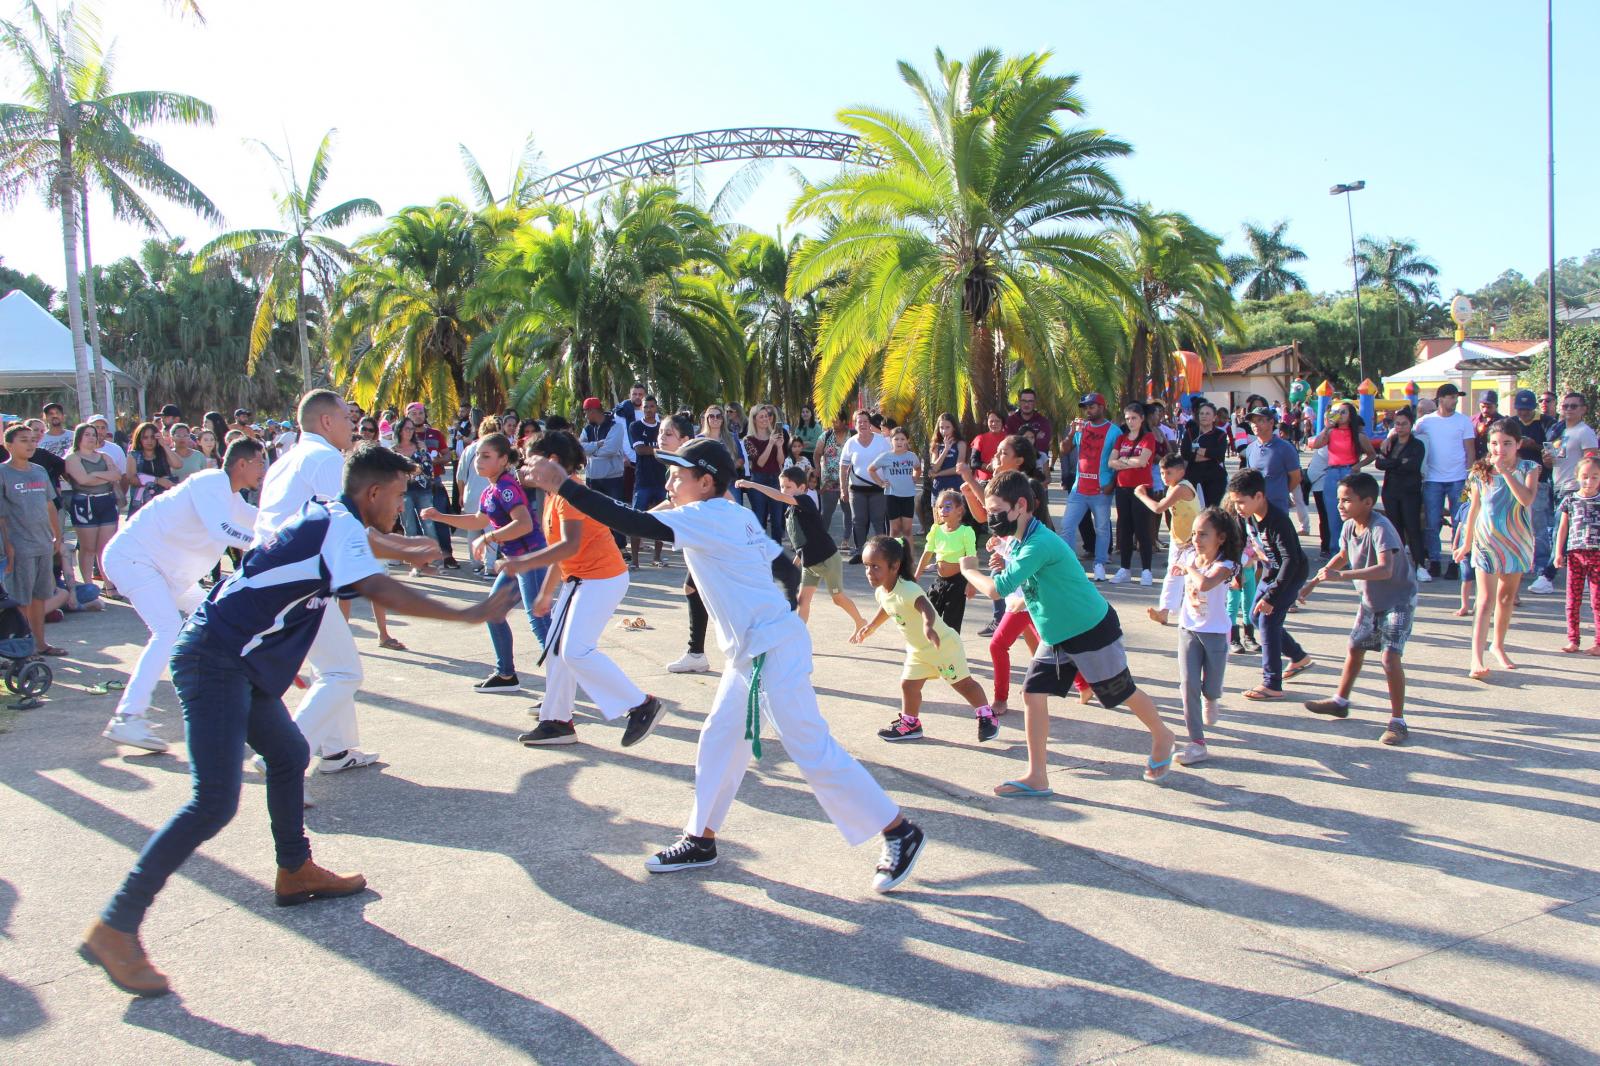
<point>1265,412</point>
<point>703,456</point>
<point>171,409</point>
<point>242,412</point>
<point>52,403</point>
<point>1447,389</point>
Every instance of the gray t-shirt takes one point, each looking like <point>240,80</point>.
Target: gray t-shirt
<point>1274,459</point>
<point>1362,548</point>
<point>57,444</point>
<point>899,470</point>
<point>26,497</point>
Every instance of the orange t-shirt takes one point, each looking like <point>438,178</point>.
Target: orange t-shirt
<point>597,557</point>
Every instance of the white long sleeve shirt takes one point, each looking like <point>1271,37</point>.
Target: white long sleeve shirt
<point>183,532</point>
<point>313,467</point>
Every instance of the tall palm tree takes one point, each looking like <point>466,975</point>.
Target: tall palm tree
<point>71,132</point>
<point>523,187</point>
<point>401,330</point>
<point>1395,267</point>
<point>587,301</point>
<point>782,332</point>
<point>1182,295</point>
<point>280,259</point>
<point>975,245</point>
<point>1264,267</point>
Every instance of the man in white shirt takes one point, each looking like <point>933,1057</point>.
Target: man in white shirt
<point>1451,441</point>
<point>157,559</point>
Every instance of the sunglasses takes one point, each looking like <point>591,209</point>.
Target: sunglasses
<point>1572,407</point>
<point>718,417</point>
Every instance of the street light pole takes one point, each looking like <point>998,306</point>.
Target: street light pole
<point>1550,142</point>
<point>1355,271</point>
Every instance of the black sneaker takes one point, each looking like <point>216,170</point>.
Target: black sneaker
<point>901,850</point>
<point>1453,572</point>
<point>641,720</point>
<point>988,728</point>
<point>1251,645</point>
<point>689,853</point>
<point>1237,647</point>
<point>987,631</point>
<point>498,685</point>
<point>450,563</point>
<point>900,729</point>
<point>855,560</point>
<point>1433,568</point>
<point>1331,708</point>
<point>548,734</point>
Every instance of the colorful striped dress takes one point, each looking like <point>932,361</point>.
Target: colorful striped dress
<point>1502,540</point>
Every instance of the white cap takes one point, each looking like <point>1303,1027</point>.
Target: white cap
<point>98,418</point>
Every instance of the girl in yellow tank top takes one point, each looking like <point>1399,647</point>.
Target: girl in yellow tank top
<point>1182,503</point>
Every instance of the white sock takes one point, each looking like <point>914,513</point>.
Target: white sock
<point>1341,701</point>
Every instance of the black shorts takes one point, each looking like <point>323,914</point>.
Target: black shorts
<point>902,507</point>
<point>1097,654</point>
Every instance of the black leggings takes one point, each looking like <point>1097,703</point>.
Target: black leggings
<point>1133,523</point>
<point>1405,511</point>
<point>699,619</point>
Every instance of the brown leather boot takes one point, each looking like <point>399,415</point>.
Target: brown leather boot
<point>311,882</point>
<point>123,959</point>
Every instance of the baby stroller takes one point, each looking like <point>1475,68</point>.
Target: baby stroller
<point>28,679</point>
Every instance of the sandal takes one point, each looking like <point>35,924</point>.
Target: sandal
<point>1262,693</point>
<point>52,650</point>
<point>1018,790</point>
<point>1157,772</point>
<point>1298,668</point>
<point>392,644</point>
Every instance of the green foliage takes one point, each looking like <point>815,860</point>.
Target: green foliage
<point>32,284</point>
<point>1577,362</point>
<point>1263,269</point>
<point>1325,326</point>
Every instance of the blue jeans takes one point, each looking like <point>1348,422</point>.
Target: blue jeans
<point>441,532</point>
<point>1438,499</point>
<point>529,582</point>
<point>1099,506</point>
<point>411,519</point>
<point>223,710</point>
<point>1275,640</point>
<point>1544,512</point>
<point>768,512</point>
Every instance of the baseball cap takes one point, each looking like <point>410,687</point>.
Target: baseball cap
<point>171,409</point>
<point>1091,397</point>
<point>703,456</point>
<point>46,408</point>
<point>242,412</point>
<point>593,404</point>
<point>1489,396</point>
<point>1525,400</point>
<point>1447,389</point>
<point>1265,412</point>
<point>98,418</point>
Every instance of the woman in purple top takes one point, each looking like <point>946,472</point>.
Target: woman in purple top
<point>504,515</point>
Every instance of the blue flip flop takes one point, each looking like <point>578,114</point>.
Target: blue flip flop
<point>1156,772</point>
<point>1022,791</point>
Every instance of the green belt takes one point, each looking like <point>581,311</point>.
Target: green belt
<point>752,720</point>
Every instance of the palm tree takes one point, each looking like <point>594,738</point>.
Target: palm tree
<point>73,132</point>
<point>596,300</point>
<point>521,191</point>
<point>1183,296</point>
<point>1395,267</point>
<point>279,259</point>
<point>782,333</point>
<point>975,245</point>
<point>1266,263</point>
<point>401,330</point>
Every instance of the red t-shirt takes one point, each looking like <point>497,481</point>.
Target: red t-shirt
<point>1091,443</point>
<point>433,441</point>
<point>1128,449</point>
<point>984,445</point>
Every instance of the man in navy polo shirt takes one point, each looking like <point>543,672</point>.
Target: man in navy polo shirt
<point>233,662</point>
<point>650,473</point>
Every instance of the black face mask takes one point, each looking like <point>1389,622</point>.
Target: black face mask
<point>1002,525</point>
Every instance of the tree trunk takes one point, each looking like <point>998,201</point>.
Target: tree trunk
<point>300,330</point>
<point>69,242</point>
<point>580,370</point>
<point>1138,366</point>
<point>988,380</point>
<point>101,377</point>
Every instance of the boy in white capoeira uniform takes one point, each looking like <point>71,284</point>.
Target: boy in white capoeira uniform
<point>732,561</point>
<point>157,560</point>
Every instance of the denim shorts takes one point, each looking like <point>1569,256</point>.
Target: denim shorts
<point>1386,630</point>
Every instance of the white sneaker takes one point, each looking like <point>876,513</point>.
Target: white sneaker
<point>693,662</point>
<point>134,732</point>
<point>1213,711</point>
<point>350,760</point>
<point>258,764</point>
<point>1099,571</point>
<point>1145,578</point>
<point>1543,586</point>
<point>1121,576</point>
<point>536,708</point>
<point>1423,577</point>
<point>1193,753</point>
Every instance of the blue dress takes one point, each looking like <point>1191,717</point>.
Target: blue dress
<point>1502,539</point>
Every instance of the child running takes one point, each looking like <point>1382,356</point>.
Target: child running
<point>768,662</point>
<point>898,470</point>
<point>949,541</point>
<point>503,513</point>
<point>1278,546</point>
<point>932,648</point>
<point>1182,503</point>
<point>1203,573</point>
<point>1371,554</point>
<point>815,552</point>
<point>1577,547</point>
<point>1078,630</point>
<point>586,565</point>
<point>1499,537</point>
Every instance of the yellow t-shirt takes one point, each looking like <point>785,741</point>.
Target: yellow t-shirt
<point>950,546</point>
<point>1184,513</point>
<point>924,659</point>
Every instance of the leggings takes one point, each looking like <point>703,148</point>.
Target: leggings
<point>1405,511</point>
<point>1202,658</point>
<point>1238,598</point>
<point>1012,625</point>
<point>1133,523</point>
<point>948,596</point>
<point>1583,568</point>
<point>699,619</point>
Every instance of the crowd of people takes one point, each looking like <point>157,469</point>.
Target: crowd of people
<point>761,510</point>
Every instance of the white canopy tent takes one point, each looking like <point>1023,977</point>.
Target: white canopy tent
<point>36,350</point>
<point>1489,368</point>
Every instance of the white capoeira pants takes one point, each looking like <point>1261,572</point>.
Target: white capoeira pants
<point>858,807</point>
<point>581,612</point>
<point>1172,587</point>
<point>327,716</point>
<point>162,606</point>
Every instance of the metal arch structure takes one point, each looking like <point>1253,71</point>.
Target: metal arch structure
<point>662,157</point>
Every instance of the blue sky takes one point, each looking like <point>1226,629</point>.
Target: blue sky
<point>1236,111</point>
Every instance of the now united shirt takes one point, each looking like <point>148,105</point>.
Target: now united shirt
<point>266,614</point>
